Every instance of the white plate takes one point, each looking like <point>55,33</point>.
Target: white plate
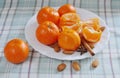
<point>47,51</point>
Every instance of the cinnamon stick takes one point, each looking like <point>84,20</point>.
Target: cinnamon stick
<point>91,45</point>
<point>87,46</point>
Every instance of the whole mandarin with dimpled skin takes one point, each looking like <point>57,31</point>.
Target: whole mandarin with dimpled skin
<point>66,8</point>
<point>48,14</point>
<point>16,51</point>
<point>47,33</point>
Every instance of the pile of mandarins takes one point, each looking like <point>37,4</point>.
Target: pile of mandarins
<point>65,27</point>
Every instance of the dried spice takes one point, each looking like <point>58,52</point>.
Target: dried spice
<point>86,45</point>
<point>81,49</point>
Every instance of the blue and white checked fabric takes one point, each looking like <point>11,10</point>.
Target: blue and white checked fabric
<point>14,15</point>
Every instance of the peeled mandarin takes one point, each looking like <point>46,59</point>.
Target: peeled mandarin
<point>69,39</point>
<point>68,19</point>
<point>91,35</point>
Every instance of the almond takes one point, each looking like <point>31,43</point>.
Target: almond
<point>95,63</point>
<point>102,28</point>
<point>76,66</point>
<point>57,48</point>
<point>61,67</point>
<point>68,52</point>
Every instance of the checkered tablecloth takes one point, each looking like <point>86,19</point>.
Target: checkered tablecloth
<point>14,14</point>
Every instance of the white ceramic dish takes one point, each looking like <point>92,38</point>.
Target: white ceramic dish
<point>32,24</point>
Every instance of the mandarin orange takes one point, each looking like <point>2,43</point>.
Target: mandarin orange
<point>16,51</point>
<point>69,39</point>
<point>91,35</point>
<point>69,19</point>
<point>48,14</point>
<point>47,33</point>
<point>66,8</point>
